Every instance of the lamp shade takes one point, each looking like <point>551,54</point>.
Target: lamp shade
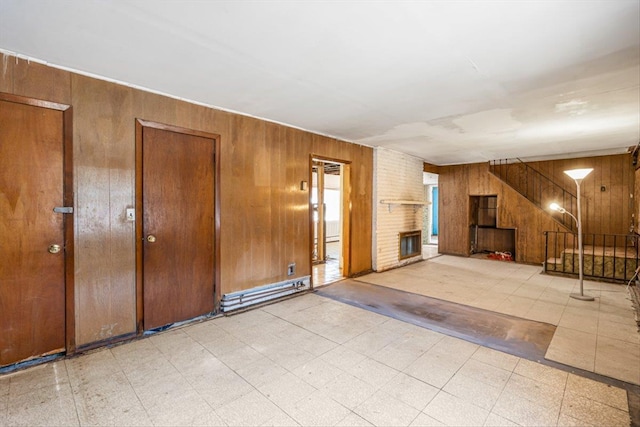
<point>578,173</point>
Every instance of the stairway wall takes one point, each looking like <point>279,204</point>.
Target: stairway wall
<point>609,211</point>
<point>636,203</point>
<point>604,212</point>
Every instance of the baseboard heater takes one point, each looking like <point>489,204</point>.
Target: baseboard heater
<point>242,299</point>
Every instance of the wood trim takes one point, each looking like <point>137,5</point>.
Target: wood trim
<point>329,159</point>
<point>177,129</point>
<point>428,167</point>
<point>33,102</point>
<point>347,219</point>
<point>138,228</point>
<point>217,260</point>
<point>69,231</point>
<point>68,200</point>
<point>320,230</point>
<point>140,125</point>
<point>310,251</point>
<point>347,202</point>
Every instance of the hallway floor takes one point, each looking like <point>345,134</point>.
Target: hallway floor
<point>311,360</point>
<point>329,271</point>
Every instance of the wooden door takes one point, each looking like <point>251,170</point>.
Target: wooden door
<point>178,227</point>
<point>32,275</point>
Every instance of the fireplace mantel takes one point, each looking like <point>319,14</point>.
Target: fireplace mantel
<point>414,203</point>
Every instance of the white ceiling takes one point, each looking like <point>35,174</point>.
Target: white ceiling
<point>447,81</point>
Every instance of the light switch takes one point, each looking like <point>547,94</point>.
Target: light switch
<point>131,214</point>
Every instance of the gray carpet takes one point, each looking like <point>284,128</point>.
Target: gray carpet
<point>513,335</point>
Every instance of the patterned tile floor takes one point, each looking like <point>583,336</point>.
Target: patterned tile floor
<point>600,336</point>
<point>312,361</point>
<point>305,361</point>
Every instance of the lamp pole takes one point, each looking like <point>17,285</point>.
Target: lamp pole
<point>578,175</point>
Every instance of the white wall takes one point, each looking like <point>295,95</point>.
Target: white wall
<point>430,180</point>
<point>333,204</point>
<point>397,176</point>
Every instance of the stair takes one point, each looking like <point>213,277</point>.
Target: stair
<point>609,257</point>
<point>554,264</point>
<point>634,292</point>
<point>537,188</point>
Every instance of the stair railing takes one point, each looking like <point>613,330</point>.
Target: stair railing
<point>611,257</point>
<point>537,188</point>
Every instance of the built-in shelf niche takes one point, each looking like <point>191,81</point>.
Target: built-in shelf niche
<point>485,236</point>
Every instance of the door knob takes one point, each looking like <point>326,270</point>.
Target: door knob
<point>54,249</point>
<point>151,238</point>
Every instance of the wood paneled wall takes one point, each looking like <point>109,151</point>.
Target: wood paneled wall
<point>609,211</point>
<point>265,216</point>
<point>605,212</point>
<point>453,210</point>
<point>636,196</point>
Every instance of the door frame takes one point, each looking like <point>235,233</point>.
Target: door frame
<point>67,200</point>
<point>435,212</point>
<point>346,181</point>
<point>139,210</point>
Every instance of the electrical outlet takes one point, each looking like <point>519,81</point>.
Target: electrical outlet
<point>291,269</point>
<point>131,214</point>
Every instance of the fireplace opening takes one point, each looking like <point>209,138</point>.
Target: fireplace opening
<point>410,244</point>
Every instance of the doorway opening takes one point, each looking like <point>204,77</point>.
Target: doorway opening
<point>430,219</point>
<point>329,198</point>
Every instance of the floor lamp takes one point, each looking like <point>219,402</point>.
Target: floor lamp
<point>577,175</point>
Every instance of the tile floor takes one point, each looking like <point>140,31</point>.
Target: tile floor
<point>307,361</point>
<point>599,336</point>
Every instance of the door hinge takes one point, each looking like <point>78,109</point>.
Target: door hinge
<point>63,209</point>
